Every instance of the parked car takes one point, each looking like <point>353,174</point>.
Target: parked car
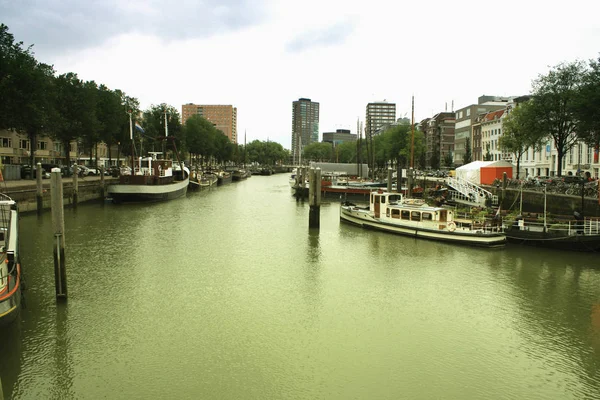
<point>31,173</point>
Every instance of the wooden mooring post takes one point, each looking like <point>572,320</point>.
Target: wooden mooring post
<point>58,225</point>
<point>75,184</point>
<point>314,198</point>
<point>39,193</point>
<point>389,179</point>
<point>102,185</point>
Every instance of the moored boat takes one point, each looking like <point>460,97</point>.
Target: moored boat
<point>10,268</point>
<point>393,213</point>
<point>577,235</point>
<point>223,178</point>
<point>154,180</point>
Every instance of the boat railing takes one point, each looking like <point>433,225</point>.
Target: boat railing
<point>586,226</point>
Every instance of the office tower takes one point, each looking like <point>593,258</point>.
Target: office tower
<point>305,126</point>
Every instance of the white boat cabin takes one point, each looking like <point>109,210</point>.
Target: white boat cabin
<point>152,166</point>
<point>395,208</point>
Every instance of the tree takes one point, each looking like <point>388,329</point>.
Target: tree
<point>554,103</point>
<point>468,157</point>
<point>318,152</point>
<point>587,106</point>
<point>201,136</point>
<point>435,160</point>
<point>159,130</point>
<point>449,160</point>
<point>520,132</point>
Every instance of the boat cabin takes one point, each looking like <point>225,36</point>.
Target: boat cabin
<point>395,207</point>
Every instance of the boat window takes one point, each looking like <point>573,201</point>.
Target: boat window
<point>395,213</point>
<point>387,212</point>
<point>427,216</point>
<point>382,199</point>
<point>394,198</point>
<point>415,216</point>
<point>405,214</point>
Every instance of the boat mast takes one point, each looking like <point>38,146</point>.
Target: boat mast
<point>132,144</point>
<point>166,135</point>
<point>544,208</point>
<point>412,135</point>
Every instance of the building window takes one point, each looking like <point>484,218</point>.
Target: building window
<point>42,145</point>
<point>6,142</point>
<point>24,144</point>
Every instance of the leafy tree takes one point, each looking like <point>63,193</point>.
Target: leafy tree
<point>435,160</point>
<point>520,132</point>
<point>468,157</point>
<point>200,136</point>
<point>554,104</point>
<point>160,130</point>
<point>587,107</point>
<point>488,155</point>
<point>449,160</point>
<point>73,110</point>
<point>318,152</point>
<point>111,115</point>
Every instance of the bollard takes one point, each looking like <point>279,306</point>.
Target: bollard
<point>314,198</point>
<point>58,225</point>
<point>389,179</point>
<point>75,184</point>
<point>102,185</point>
<point>39,190</point>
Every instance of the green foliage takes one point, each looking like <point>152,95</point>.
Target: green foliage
<point>159,131</point>
<point>266,153</point>
<point>322,152</point>
<point>468,157</point>
<point>587,105</point>
<point>449,160</point>
<point>521,132</point>
<point>554,105</point>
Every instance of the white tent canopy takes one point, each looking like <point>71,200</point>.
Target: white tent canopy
<point>472,171</point>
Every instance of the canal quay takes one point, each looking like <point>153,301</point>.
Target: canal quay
<point>227,294</point>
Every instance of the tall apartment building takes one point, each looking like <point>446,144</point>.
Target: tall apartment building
<point>466,117</point>
<point>439,138</point>
<point>379,114</point>
<point>223,117</point>
<point>305,125</point>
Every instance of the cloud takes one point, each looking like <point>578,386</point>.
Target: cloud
<point>329,36</point>
<point>59,26</point>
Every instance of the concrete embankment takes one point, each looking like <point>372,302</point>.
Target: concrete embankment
<point>24,191</point>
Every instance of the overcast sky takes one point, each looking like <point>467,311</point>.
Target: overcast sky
<point>261,55</point>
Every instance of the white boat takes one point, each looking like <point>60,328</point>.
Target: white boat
<point>391,212</point>
<point>154,180</point>
<point>10,268</point>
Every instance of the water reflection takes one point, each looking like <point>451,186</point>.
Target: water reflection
<point>10,357</point>
<point>62,379</point>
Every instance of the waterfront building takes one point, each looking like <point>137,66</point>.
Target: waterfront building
<point>439,139</point>
<point>223,117</point>
<point>378,115</point>
<point>305,126</point>
<point>339,136</point>
<point>465,118</point>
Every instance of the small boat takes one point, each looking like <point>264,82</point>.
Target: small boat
<point>239,174</point>
<point>577,235</point>
<point>392,212</point>
<point>581,234</point>
<point>10,268</point>
<point>223,178</point>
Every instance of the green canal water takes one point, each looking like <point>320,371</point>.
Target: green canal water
<point>226,294</point>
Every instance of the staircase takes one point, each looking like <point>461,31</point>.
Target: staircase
<point>468,193</point>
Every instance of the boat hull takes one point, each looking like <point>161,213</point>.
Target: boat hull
<point>576,242</point>
<point>121,193</point>
<point>11,305</point>
<point>223,180</point>
<point>479,239</point>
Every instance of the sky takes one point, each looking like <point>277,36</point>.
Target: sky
<point>260,56</point>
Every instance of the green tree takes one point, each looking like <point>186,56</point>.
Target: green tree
<point>554,103</point>
<point>468,157</point>
<point>587,106</point>
<point>318,152</point>
<point>162,124</point>
<point>520,132</point>
<point>435,160</point>
<point>449,160</point>
<point>201,139</point>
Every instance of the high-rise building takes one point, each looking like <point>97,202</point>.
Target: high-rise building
<point>305,126</point>
<point>379,114</point>
<point>223,117</point>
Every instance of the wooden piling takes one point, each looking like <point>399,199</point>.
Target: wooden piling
<point>314,198</point>
<point>39,193</point>
<point>75,184</point>
<point>58,224</point>
<point>102,185</point>
<point>389,179</point>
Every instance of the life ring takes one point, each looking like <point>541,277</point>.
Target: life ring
<point>451,226</point>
